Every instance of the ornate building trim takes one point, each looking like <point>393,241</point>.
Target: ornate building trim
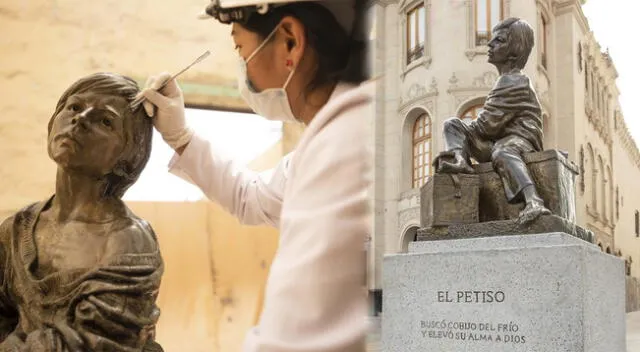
<point>627,141</point>
<point>419,93</point>
<point>479,88</point>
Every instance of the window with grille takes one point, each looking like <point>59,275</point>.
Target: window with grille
<point>416,33</point>
<point>487,15</point>
<point>543,44</point>
<point>421,150</point>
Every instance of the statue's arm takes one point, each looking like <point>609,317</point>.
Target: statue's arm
<point>8,311</point>
<point>511,94</point>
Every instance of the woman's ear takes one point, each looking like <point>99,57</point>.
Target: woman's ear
<point>293,33</point>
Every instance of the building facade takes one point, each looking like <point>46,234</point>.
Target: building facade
<point>433,54</point>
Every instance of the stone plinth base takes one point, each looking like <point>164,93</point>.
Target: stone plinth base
<point>543,292</point>
<point>543,224</point>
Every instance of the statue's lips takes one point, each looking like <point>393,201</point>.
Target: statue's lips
<point>68,137</point>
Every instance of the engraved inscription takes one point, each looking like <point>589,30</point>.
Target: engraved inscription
<point>470,296</point>
<point>496,332</point>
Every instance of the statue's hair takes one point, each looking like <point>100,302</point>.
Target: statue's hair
<point>521,39</point>
<point>138,127</point>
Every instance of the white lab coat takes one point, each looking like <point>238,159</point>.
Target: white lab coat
<point>315,297</point>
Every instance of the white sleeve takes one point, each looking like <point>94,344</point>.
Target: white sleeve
<point>315,299</point>
<point>254,198</point>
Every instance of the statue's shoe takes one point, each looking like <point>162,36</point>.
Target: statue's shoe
<point>531,212</point>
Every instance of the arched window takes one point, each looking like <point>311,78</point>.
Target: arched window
<point>411,235</point>
<point>543,45</point>
<point>421,150</point>
<point>637,218</point>
<point>471,113</point>
<point>610,195</point>
<point>546,130</point>
<point>582,168</point>
<point>487,14</point>
<point>587,77</point>
<point>593,188</point>
<point>603,190</point>
<point>617,203</point>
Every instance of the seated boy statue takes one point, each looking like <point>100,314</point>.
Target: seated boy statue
<point>79,271</point>
<point>508,126</point>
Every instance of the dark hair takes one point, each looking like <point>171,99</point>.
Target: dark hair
<point>521,39</point>
<point>138,127</point>
<point>341,54</point>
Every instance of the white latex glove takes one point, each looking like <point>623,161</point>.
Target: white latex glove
<point>169,118</point>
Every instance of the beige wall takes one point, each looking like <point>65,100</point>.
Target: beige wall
<point>215,269</point>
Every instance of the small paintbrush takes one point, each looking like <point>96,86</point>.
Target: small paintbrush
<point>134,104</point>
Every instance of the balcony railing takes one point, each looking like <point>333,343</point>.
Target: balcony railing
<point>415,53</point>
<point>482,38</point>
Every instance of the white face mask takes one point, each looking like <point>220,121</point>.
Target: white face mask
<point>272,103</point>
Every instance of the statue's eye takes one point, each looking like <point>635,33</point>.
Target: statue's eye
<point>106,122</point>
<point>75,107</point>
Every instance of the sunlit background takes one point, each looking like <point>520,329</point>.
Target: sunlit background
<point>241,136</point>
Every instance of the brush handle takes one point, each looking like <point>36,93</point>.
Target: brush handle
<point>136,102</point>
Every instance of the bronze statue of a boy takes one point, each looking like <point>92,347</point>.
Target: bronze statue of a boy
<point>508,126</point>
<point>79,271</point>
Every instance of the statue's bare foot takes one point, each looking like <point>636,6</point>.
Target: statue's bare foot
<point>532,211</point>
<point>454,163</point>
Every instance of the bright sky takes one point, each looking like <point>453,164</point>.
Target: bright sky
<point>613,24</point>
<point>242,137</point>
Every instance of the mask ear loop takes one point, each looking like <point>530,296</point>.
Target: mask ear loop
<point>286,83</point>
<point>264,42</point>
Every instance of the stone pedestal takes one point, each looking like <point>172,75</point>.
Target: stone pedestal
<point>533,293</point>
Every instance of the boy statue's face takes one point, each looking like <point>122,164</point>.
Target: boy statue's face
<point>499,48</point>
<point>89,134</point>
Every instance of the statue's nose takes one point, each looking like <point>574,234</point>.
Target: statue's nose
<point>82,115</point>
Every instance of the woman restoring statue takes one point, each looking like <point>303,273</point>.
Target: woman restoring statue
<point>79,271</point>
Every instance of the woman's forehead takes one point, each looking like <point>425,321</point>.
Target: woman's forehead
<point>240,33</point>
